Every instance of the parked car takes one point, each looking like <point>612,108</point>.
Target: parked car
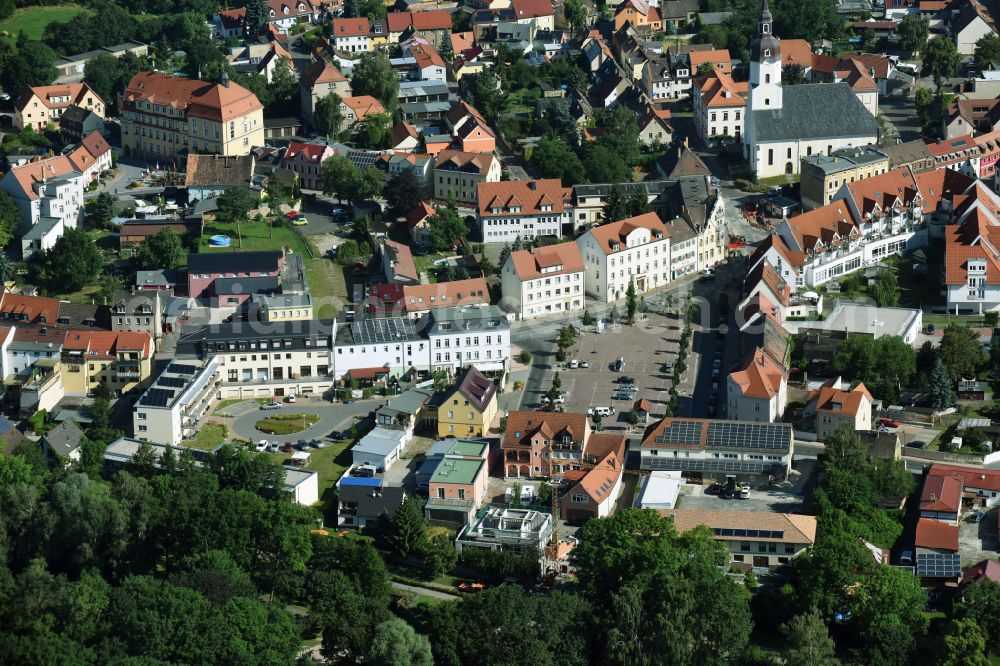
<point>560,399</point>
<point>300,221</point>
<point>584,364</point>
<point>975,516</point>
<point>302,445</point>
<point>331,253</point>
<point>271,405</point>
<point>745,492</point>
<point>888,423</point>
<point>625,379</point>
<point>574,364</point>
<point>930,329</point>
<point>715,373</point>
<point>623,395</point>
<point>668,368</point>
<point>290,398</point>
<point>318,444</point>
<point>603,411</point>
<point>632,388</point>
<point>338,435</point>
<point>619,364</point>
<point>262,446</point>
<point>717,363</point>
<point>286,447</point>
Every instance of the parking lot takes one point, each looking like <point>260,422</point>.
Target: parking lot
<point>784,497</point>
<point>646,347</point>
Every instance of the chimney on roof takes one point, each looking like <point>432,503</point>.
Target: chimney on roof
<point>224,79</point>
<point>533,185</point>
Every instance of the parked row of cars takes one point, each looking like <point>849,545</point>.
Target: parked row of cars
<point>264,446</point>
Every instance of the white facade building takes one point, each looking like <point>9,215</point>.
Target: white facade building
<point>635,250</point>
<point>49,196</point>
<point>523,209</point>
<point>757,389</point>
<point>544,281</point>
<point>170,409</point>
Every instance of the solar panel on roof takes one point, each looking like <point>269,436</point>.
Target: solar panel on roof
<point>681,432</point>
<point>685,465</point>
<point>730,434</point>
<point>174,382</point>
<point>157,397</point>
<point>938,565</point>
<point>182,369</point>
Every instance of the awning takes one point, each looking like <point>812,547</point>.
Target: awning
<point>489,367</point>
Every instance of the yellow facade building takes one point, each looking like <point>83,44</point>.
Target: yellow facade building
<point>105,360</point>
<point>469,407</point>
<point>165,118</point>
<point>284,307</point>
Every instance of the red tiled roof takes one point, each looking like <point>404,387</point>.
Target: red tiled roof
<point>942,492</point>
<point>404,267</point>
<point>521,426</point>
<point>718,89</point>
<point>598,481</point>
<point>615,233</point>
<point>528,264</point>
<point>472,291</point>
<point>312,152</point>
<point>759,376</point>
<point>463,161</point>
<point>106,344</point>
<point>972,477</point>
<point>350,27</point>
<point>525,9</point>
<point>839,401</point>
<point>35,172</point>
<point>528,195</point>
<point>366,373</point>
<point>714,57</point>
<point>985,570</point>
<point>818,228</point>
<point>320,71</point>
<point>29,309</point>
<point>363,105</point>
<point>936,535</point>
<point>435,19</point>
<point>796,52</point>
<point>202,100</point>
<point>75,92</point>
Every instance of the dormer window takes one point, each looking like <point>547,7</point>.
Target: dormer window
<point>767,53</point>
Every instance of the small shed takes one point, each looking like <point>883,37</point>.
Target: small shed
<point>301,458</point>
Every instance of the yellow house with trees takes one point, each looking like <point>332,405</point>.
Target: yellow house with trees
<point>469,407</point>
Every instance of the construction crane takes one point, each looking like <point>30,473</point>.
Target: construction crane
<point>556,481</point>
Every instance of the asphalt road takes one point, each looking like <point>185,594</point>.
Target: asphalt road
<point>337,416</point>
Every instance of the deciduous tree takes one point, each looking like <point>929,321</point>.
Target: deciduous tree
<point>163,250</point>
<point>809,641</point>
<point>373,75</point>
<point>395,643</point>
<point>913,31</point>
<point>960,351</point>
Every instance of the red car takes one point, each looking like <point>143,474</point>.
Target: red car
<point>286,447</point>
<point>292,214</point>
<point>888,423</point>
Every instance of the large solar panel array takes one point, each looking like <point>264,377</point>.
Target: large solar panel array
<point>938,565</point>
<point>182,369</point>
<point>687,465</point>
<point>733,434</point>
<point>157,397</point>
<point>758,534</point>
<point>368,331</point>
<point>681,432</point>
<point>171,382</point>
<point>363,158</point>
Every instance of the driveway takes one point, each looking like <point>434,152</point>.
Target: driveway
<point>332,417</point>
<point>784,497</point>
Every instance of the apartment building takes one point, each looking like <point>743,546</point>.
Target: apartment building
<point>108,361</point>
<point>273,308</point>
<point>823,175</point>
<point>594,489</point>
<point>447,339</point>
<point>544,444</point>
<point>352,35</point>
<point>972,272</point>
<point>757,539</point>
<point>305,160</point>
<point>719,105</point>
<point>523,209</point>
<point>458,174</point>
<point>546,280</point>
<point>666,77</point>
<point>757,388</point>
<point>835,407</point>
<point>457,488</point>
<point>138,312</point>
<point>165,118</point>
<point>170,410</point>
<point>319,79</point>
<point>38,106</point>
<point>416,300</point>
<point>206,269</point>
<point>710,450</point>
<point>48,194</point>
<point>468,408</point>
<point>635,251</point>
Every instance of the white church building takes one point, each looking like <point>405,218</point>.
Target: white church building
<point>786,123</point>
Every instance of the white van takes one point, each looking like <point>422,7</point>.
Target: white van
<point>602,411</point>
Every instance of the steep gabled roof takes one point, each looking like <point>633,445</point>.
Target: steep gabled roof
<point>522,426</point>
<point>528,264</point>
<point>477,388</point>
<point>839,401</point>
<point>759,376</point>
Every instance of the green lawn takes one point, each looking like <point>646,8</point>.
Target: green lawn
<point>330,463</point>
<point>32,20</point>
<point>209,436</point>
<point>326,278</point>
<point>286,424</point>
